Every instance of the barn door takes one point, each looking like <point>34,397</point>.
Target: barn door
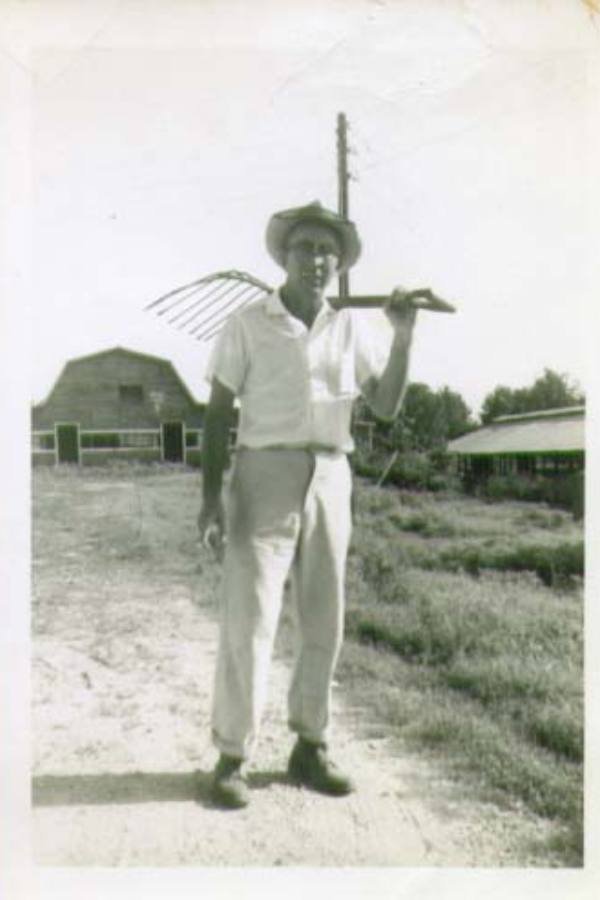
<point>172,441</point>
<point>67,443</point>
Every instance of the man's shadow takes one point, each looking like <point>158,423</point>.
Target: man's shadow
<point>136,787</point>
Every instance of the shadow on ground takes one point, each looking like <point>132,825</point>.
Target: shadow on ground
<point>135,787</point>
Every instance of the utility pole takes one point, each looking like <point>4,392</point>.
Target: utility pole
<point>343,179</point>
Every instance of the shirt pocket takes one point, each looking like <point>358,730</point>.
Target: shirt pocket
<point>341,377</point>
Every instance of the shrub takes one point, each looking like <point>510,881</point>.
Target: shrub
<point>411,469</point>
<point>568,493</point>
<point>556,730</point>
<point>375,502</point>
<point>541,518</point>
<point>369,463</point>
<point>409,499</point>
<point>443,481</point>
<point>552,564</point>
<point>495,680</point>
<point>426,523</point>
<point>563,491</point>
<point>511,487</point>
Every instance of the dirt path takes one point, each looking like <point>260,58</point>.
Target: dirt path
<point>121,728</point>
<point>122,675</point>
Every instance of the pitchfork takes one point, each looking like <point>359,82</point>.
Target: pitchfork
<point>203,306</point>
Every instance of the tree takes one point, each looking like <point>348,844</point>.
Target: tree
<point>429,419</point>
<point>551,390</point>
<point>456,413</point>
<point>500,402</point>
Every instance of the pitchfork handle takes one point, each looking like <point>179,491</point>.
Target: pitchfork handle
<point>419,299</point>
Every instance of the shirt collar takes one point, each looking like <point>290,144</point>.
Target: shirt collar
<point>274,306</point>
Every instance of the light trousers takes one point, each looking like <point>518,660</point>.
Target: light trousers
<point>288,516</point>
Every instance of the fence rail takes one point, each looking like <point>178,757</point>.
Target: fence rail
<point>100,444</point>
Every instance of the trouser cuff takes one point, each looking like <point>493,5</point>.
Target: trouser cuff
<point>230,748</point>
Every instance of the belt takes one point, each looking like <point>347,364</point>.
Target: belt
<point>308,448</point>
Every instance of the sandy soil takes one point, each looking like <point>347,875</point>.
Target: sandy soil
<point>122,674</point>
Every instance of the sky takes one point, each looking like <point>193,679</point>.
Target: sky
<point>163,136</point>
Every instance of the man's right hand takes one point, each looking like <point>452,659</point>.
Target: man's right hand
<point>211,525</point>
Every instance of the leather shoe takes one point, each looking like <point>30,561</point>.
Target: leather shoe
<point>229,788</point>
<point>310,766</point>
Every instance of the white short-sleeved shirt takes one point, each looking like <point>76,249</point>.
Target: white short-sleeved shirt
<point>295,385</point>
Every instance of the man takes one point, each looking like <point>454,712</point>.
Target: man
<point>296,366</point>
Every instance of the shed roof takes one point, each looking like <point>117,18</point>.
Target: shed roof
<point>545,431</point>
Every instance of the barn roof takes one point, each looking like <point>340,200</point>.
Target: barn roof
<point>124,350</point>
<point>121,351</point>
<point>546,431</point>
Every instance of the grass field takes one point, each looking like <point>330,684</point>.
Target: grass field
<point>464,621</point>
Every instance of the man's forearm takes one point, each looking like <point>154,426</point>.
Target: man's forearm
<point>385,394</point>
<point>214,454</point>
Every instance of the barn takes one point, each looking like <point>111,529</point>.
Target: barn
<point>117,404</point>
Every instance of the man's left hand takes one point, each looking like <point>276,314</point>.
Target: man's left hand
<point>400,311</point>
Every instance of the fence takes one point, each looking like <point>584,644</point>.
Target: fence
<point>93,447</point>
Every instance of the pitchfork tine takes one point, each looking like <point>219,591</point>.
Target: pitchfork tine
<point>173,293</point>
<point>215,291</point>
<point>223,291</point>
<point>216,276</point>
<point>230,302</point>
<point>186,295</point>
<point>216,327</point>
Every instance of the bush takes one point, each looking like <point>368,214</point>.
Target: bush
<point>564,491</point>
<point>558,731</point>
<point>542,518</point>
<point>511,487</point>
<point>552,564</point>
<point>369,464</point>
<point>426,523</point>
<point>411,469</point>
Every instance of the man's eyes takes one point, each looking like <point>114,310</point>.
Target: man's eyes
<point>315,248</point>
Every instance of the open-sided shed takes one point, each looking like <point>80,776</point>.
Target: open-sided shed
<point>117,403</point>
<point>547,442</point>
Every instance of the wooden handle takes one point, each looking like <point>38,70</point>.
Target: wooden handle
<point>419,299</point>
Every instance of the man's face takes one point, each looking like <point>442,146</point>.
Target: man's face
<point>313,255</point>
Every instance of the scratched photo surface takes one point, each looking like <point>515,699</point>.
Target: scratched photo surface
<point>458,138</point>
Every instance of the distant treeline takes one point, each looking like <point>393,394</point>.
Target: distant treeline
<point>429,419</point>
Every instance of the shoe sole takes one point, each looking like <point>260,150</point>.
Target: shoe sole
<point>227,801</point>
<point>300,780</point>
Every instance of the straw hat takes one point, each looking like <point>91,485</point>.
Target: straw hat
<point>281,223</point>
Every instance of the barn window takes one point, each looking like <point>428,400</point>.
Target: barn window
<point>139,439</point>
<point>42,440</point>
<point>98,440</point>
<point>131,393</point>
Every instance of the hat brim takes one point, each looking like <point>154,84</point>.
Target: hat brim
<point>281,224</point>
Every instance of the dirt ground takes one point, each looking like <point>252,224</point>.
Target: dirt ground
<point>124,649</point>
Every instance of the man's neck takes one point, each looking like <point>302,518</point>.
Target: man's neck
<point>303,306</point>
